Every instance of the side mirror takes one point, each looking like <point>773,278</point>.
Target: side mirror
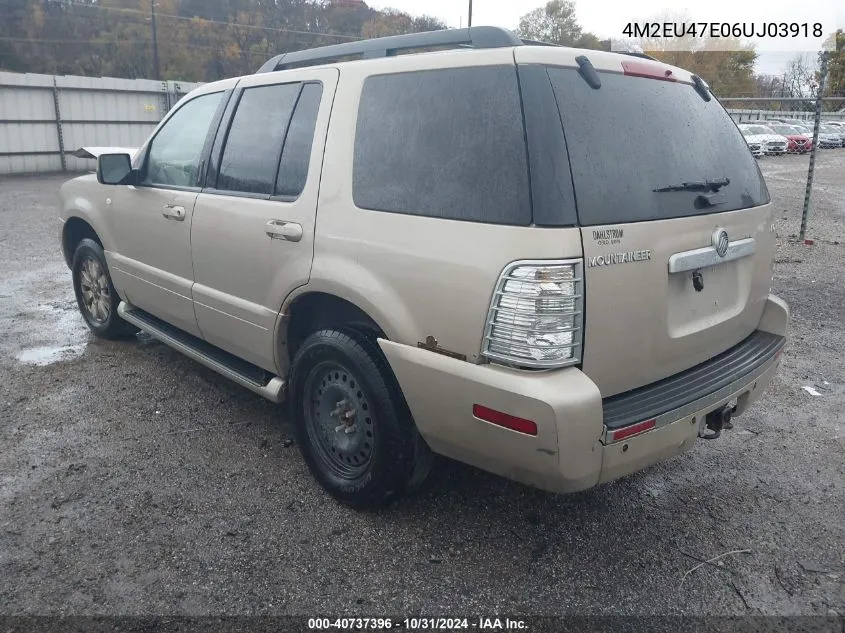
<point>115,169</point>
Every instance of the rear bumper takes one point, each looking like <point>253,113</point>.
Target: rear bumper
<point>572,450</point>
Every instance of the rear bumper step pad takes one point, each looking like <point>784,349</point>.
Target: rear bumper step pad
<point>721,371</point>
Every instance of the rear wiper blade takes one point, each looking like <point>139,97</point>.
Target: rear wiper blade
<point>707,185</point>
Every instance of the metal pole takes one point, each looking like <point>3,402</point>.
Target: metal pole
<point>469,21</point>
<point>59,132</point>
<point>156,65</point>
<point>819,97</point>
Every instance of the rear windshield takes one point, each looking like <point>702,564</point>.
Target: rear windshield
<point>635,135</point>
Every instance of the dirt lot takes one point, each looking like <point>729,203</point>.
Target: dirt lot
<point>134,481</point>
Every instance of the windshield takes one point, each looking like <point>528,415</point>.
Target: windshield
<point>783,129</point>
<point>634,143</point>
<point>758,129</point>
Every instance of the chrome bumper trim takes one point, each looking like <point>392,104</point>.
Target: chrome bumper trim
<point>707,256</point>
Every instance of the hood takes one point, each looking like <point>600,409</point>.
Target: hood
<point>764,138</point>
<point>96,152</point>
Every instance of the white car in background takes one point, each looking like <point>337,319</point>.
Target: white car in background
<point>769,142</point>
<point>831,136</point>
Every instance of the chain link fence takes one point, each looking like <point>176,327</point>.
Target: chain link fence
<point>812,126</point>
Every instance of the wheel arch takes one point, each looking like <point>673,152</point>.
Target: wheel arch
<point>75,230</point>
<point>313,310</point>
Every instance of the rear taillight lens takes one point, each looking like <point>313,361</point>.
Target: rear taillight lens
<point>536,316</point>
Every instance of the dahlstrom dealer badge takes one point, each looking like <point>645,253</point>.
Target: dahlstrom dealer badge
<point>619,258</point>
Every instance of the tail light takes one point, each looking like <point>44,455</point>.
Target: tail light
<point>536,316</point>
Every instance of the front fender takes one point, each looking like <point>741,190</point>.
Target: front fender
<point>84,198</point>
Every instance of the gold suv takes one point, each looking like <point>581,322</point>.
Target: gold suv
<point>553,264</point>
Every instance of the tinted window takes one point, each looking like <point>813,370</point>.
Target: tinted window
<point>176,150</point>
<point>635,135</point>
<point>254,143</point>
<point>443,143</point>
<point>296,156</point>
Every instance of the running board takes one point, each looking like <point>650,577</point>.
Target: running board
<point>235,369</point>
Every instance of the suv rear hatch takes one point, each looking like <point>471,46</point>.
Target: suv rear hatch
<point>661,176</point>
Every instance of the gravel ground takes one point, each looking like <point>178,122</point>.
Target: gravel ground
<point>134,481</point>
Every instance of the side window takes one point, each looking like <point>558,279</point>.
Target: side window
<point>443,143</point>
<point>296,157</point>
<point>254,142</point>
<point>176,150</point>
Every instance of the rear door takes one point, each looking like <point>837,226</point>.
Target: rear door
<point>252,238</point>
<point>676,270</point>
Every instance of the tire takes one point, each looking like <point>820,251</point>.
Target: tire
<point>95,294</point>
<point>339,381</point>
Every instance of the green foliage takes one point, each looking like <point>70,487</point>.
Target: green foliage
<point>728,72</point>
<point>556,23</point>
<point>836,70</point>
<point>198,40</point>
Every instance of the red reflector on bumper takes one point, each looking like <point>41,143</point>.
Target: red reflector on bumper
<point>648,70</point>
<point>505,420</point>
<point>634,429</point>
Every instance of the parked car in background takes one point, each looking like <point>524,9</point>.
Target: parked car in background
<point>798,141</point>
<point>799,122</point>
<point>754,144</point>
<point>759,135</point>
<point>831,136</point>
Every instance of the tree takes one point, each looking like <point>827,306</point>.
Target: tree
<point>199,40</point>
<point>836,70</point>
<point>555,23</point>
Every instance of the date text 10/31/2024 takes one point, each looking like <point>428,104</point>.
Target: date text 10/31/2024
<point>418,624</point>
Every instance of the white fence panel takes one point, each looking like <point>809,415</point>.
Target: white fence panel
<point>44,119</point>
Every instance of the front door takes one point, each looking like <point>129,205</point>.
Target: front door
<point>151,222</point>
<point>253,230</point>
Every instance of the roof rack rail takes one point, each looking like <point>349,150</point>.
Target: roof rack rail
<point>473,37</point>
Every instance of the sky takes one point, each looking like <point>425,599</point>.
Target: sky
<point>607,18</point>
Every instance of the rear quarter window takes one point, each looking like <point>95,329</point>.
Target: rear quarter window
<point>635,135</point>
<point>444,143</point>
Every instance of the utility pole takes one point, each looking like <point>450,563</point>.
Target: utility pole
<point>819,99</point>
<point>156,65</point>
<point>469,22</point>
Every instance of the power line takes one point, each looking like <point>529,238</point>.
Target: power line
<point>114,42</point>
<point>184,18</point>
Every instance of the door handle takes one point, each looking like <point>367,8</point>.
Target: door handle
<point>281,230</point>
<point>174,212</point>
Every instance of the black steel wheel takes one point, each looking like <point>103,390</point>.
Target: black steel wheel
<point>339,421</point>
<point>351,420</point>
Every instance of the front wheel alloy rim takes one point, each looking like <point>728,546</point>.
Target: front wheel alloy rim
<point>94,285</point>
<point>339,420</point>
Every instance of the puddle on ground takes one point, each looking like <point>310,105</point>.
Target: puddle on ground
<point>43,356</point>
<point>40,318</point>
